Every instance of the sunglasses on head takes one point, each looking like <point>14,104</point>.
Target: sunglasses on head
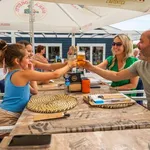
<point>117,43</point>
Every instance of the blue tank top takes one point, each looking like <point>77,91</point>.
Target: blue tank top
<point>15,97</point>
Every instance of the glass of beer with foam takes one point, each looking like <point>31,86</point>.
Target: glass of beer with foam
<point>80,58</point>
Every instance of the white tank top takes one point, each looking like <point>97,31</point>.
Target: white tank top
<point>2,74</point>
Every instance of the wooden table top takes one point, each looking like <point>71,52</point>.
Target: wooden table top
<point>83,121</point>
<point>138,139</point>
<point>84,118</point>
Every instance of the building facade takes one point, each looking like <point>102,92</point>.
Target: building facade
<point>97,49</point>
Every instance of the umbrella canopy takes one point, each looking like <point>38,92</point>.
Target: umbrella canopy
<point>55,17</point>
<point>138,5</point>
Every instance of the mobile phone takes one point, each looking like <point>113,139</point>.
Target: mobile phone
<point>30,140</point>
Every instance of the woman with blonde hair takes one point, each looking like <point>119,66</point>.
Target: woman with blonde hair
<point>122,48</point>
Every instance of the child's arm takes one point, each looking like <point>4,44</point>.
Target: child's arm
<point>33,84</point>
<point>48,66</point>
<point>30,75</point>
<point>33,87</point>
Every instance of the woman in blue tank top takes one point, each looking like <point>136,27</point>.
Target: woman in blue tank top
<point>17,89</point>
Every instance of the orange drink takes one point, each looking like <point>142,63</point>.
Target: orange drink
<point>80,58</point>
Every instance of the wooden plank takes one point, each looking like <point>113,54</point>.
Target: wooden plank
<point>51,86</point>
<point>40,117</point>
<point>105,140</point>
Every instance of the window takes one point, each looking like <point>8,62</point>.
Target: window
<point>95,53</point>
<point>52,50</point>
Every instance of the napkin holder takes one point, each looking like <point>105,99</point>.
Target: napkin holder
<point>75,82</point>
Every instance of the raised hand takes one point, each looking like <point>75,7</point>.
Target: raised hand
<point>30,66</point>
<point>87,65</point>
<point>72,63</point>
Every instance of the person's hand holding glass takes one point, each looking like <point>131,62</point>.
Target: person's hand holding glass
<point>72,63</point>
<point>81,58</point>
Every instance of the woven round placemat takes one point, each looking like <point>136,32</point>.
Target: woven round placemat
<point>51,104</point>
<point>110,106</point>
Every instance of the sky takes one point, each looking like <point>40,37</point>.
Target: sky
<point>140,24</point>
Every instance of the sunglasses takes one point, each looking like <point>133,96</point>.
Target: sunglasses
<point>117,43</point>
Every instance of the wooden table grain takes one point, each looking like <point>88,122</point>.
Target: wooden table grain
<point>84,118</point>
<point>89,128</point>
<point>138,139</point>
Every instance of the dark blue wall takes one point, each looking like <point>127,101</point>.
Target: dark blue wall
<point>21,38</point>
<point>66,42</point>
<point>7,39</point>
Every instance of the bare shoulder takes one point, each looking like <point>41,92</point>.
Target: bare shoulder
<point>18,78</point>
<point>20,72</point>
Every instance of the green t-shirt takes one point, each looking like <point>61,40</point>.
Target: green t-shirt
<point>129,62</point>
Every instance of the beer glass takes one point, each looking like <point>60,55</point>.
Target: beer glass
<point>80,58</point>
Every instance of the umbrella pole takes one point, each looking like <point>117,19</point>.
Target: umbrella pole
<point>73,39</point>
<point>31,23</point>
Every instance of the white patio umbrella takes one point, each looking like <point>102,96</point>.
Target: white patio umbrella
<point>59,17</point>
<point>53,17</point>
<point>138,5</point>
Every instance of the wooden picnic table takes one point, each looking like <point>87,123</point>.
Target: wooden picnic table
<point>84,118</point>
